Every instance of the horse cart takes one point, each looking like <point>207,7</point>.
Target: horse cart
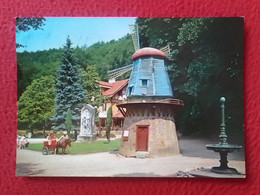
<point>55,145</point>
<point>49,145</point>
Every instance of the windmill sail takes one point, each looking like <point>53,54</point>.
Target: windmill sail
<point>166,50</point>
<point>135,35</point>
<point>113,74</point>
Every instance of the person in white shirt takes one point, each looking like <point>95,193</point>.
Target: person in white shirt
<point>23,142</point>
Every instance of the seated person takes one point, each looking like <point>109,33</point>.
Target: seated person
<point>23,142</point>
<point>64,135</point>
<point>50,138</point>
<point>19,136</point>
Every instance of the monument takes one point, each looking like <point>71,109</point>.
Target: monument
<point>87,124</point>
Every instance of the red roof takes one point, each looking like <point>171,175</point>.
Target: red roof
<point>148,51</point>
<point>114,87</point>
<point>105,84</point>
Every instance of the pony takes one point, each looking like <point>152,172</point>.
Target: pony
<point>63,143</point>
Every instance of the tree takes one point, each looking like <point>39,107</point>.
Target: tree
<point>91,86</point>
<point>110,55</point>
<point>109,123</point>
<point>26,23</point>
<point>104,56</point>
<point>206,62</point>
<point>36,105</point>
<point>68,120</point>
<point>69,93</point>
<point>214,70</point>
<point>33,65</point>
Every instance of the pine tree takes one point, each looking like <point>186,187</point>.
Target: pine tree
<point>69,93</point>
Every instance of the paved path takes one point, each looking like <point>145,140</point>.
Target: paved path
<point>109,164</point>
<point>194,147</point>
<point>31,163</point>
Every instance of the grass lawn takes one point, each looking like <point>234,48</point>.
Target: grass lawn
<point>85,148</point>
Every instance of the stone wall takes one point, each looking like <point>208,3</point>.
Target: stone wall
<point>162,137</point>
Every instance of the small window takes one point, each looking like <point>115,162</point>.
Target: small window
<point>144,82</point>
<point>130,90</point>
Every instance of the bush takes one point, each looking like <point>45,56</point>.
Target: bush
<point>109,123</point>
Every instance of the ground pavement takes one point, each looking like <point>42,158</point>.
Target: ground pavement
<point>194,156</point>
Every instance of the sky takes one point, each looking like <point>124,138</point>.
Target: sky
<point>81,30</point>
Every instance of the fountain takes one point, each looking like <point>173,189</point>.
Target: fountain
<point>223,148</point>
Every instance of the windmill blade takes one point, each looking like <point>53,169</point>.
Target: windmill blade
<point>135,35</point>
<point>166,50</point>
<point>113,74</point>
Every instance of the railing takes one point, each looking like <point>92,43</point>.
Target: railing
<point>171,101</point>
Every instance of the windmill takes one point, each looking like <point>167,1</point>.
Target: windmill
<point>113,74</point>
<point>149,112</point>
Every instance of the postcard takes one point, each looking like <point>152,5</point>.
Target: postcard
<point>130,97</point>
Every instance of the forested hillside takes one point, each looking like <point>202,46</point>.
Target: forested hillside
<point>105,56</point>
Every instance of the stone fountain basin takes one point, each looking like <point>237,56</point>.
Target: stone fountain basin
<point>223,148</point>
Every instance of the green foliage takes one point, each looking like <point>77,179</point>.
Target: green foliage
<point>109,122</point>
<point>111,55</point>
<point>104,56</point>
<point>33,65</point>
<point>27,23</point>
<point>158,32</point>
<point>91,86</point>
<point>190,30</point>
<point>69,93</point>
<point>83,147</point>
<point>68,120</point>
<point>36,105</point>
<point>206,62</point>
<point>94,61</point>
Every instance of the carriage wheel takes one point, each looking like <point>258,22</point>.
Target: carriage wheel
<point>45,150</point>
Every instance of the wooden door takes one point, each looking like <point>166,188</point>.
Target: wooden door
<point>141,138</point>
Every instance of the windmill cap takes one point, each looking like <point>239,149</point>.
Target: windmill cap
<point>148,51</point>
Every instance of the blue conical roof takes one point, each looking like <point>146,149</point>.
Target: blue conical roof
<point>149,76</point>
